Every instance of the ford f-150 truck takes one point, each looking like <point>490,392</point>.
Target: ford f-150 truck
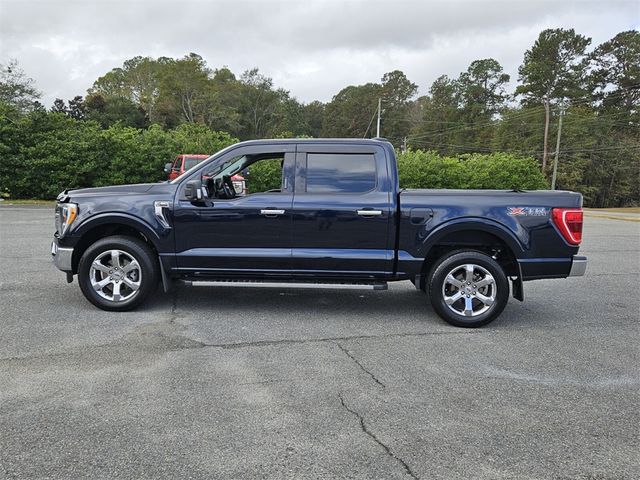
<point>336,216</point>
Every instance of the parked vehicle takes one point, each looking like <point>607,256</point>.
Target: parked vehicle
<point>336,217</point>
<point>184,162</point>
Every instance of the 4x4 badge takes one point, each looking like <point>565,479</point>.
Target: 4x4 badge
<point>527,211</point>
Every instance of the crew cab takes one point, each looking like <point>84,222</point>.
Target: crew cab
<point>324,211</point>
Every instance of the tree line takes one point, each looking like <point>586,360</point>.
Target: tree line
<point>474,117</point>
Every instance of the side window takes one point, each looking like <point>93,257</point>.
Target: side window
<point>265,175</point>
<point>344,173</point>
<point>245,175</point>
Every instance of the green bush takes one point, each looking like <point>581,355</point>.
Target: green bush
<point>420,169</point>
<point>43,153</point>
<point>264,175</point>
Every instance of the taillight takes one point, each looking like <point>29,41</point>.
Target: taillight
<point>569,223</point>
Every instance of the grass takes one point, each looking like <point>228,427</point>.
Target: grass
<point>619,210</point>
<point>28,202</point>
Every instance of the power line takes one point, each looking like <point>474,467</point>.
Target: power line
<point>368,127</point>
<point>530,152</point>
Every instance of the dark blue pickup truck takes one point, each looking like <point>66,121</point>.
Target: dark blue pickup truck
<point>317,211</point>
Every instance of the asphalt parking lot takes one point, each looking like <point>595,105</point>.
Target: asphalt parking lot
<point>282,383</point>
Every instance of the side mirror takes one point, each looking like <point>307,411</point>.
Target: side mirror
<point>193,190</point>
<point>167,167</point>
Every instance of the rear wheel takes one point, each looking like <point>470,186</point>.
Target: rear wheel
<point>468,289</point>
<point>117,273</point>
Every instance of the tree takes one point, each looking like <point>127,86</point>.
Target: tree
<point>441,120</point>
<point>552,71</point>
<point>482,88</point>
<point>396,91</point>
<point>77,108</point>
<point>108,111</point>
<point>259,103</point>
<point>16,89</point>
<point>137,80</point>
<point>224,100</point>
<point>481,92</point>
<point>351,112</point>
<point>313,113</point>
<point>615,72</point>
<point>59,106</point>
<point>184,87</point>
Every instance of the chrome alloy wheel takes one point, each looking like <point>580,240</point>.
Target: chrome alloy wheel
<point>115,275</point>
<point>469,290</point>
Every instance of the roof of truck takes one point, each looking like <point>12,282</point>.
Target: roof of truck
<point>313,140</point>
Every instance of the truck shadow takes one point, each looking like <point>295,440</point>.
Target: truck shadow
<point>394,302</point>
<point>400,304</point>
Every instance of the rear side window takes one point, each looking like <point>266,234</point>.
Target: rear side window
<point>345,173</point>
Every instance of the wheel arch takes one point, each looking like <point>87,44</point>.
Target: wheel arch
<point>107,225</point>
<point>481,235</point>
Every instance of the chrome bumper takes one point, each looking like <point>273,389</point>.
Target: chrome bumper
<point>62,257</point>
<point>578,266</point>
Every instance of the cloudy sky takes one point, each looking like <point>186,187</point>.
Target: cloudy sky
<point>312,48</point>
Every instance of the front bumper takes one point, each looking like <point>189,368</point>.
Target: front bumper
<point>62,257</point>
<point>578,266</point>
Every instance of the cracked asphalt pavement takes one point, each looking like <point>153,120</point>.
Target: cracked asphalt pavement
<point>226,382</point>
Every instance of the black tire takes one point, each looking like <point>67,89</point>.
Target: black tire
<point>148,271</point>
<point>438,287</point>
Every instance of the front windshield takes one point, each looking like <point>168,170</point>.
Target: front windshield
<point>190,162</point>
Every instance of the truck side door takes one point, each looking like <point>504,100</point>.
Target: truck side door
<point>245,235</point>
<point>342,218</point>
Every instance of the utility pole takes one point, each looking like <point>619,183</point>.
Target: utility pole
<point>545,99</point>
<point>555,160</point>
<point>378,128</point>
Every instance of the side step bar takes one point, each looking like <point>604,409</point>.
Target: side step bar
<point>286,284</point>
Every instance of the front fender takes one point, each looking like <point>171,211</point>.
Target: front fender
<point>108,218</point>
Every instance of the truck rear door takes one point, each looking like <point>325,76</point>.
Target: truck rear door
<point>342,215</point>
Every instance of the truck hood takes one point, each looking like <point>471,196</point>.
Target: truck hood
<point>134,189</point>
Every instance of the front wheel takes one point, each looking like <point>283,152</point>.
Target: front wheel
<point>468,289</point>
<point>117,273</point>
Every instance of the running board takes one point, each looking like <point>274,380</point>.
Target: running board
<point>281,284</point>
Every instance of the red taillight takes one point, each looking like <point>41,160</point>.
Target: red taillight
<point>569,222</point>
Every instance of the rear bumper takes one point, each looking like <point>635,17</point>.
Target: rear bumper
<point>578,266</point>
<point>62,257</point>
<point>563,267</point>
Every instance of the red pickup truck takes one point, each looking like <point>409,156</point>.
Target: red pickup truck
<point>184,162</point>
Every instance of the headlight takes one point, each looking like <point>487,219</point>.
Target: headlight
<point>66,214</point>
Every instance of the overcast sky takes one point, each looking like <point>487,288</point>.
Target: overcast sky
<point>312,48</point>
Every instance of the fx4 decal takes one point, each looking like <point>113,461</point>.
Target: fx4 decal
<point>527,211</point>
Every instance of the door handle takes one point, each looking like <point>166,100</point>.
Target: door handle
<point>270,212</point>
<point>369,213</point>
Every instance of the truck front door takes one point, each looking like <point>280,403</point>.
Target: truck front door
<point>342,218</point>
<point>245,235</point>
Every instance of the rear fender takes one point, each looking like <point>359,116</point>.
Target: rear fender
<point>466,224</point>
